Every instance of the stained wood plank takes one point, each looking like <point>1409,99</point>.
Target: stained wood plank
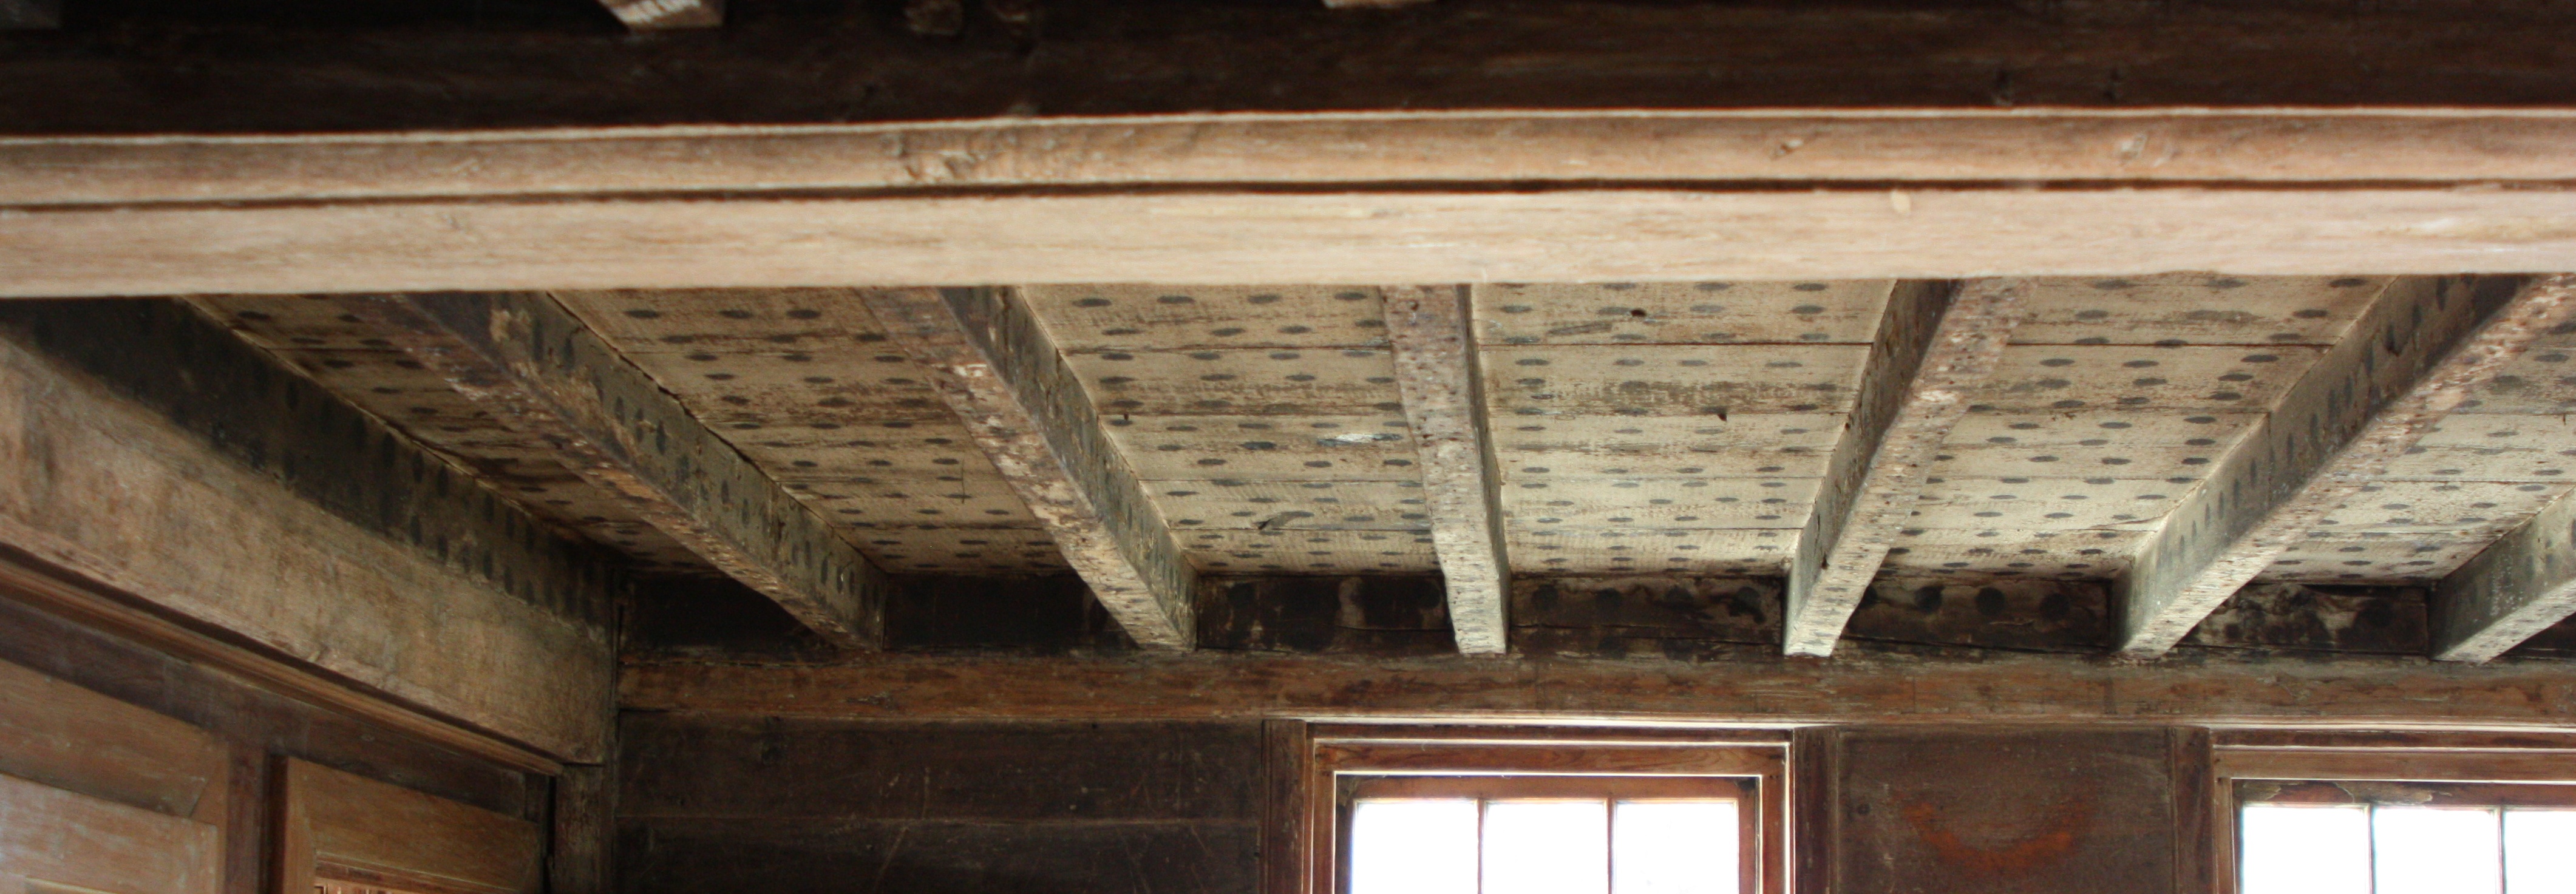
<point>1934,347</point>
<point>2408,362</point>
<point>1750,445</point>
<point>2367,557</point>
<point>1670,380</point>
<point>1379,447</point>
<point>2383,620</point>
<point>1680,313</point>
<point>60,735</point>
<point>2198,309</point>
<point>2053,552</point>
<point>1093,318</point>
<point>1239,381</point>
<point>1439,372</point>
<point>2019,615</point>
<point>667,15</point>
<point>1295,505</point>
<point>2115,443</point>
<point>2519,586</point>
<point>538,368</point>
<point>1026,407</point>
<point>1697,552</point>
<point>1860,686</point>
<point>1233,237</point>
<point>2215,379</point>
<point>52,839</point>
<point>351,822</point>
<point>1376,615</point>
<point>1659,502</point>
<point>1275,551</point>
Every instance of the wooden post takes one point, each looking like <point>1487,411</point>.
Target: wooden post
<point>1931,348</point>
<point>2406,363</point>
<point>537,369</point>
<point>1000,371</point>
<point>1435,368</point>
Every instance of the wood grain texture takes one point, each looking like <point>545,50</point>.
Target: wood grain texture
<point>1858,686</point>
<point>1229,237</point>
<point>2409,361</point>
<point>1935,345</point>
<point>60,735</point>
<point>667,15</point>
<point>581,847</point>
<point>332,820</point>
<point>1436,368</point>
<point>540,370</point>
<point>2021,810</point>
<point>52,840</point>
<point>2519,586</point>
<point>1001,373</point>
<point>333,608</point>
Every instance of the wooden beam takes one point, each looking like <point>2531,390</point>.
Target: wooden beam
<point>2404,365</point>
<point>1436,371</point>
<point>1932,347</point>
<point>1000,371</point>
<point>667,15</point>
<point>537,369</point>
<point>1859,687</point>
<point>2526,581</point>
<point>1222,236</point>
<point>1864,147</point>
<point>30,14</point>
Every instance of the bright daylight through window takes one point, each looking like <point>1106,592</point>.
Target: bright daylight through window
<point>2397,838</point>
<point>1550,835</point>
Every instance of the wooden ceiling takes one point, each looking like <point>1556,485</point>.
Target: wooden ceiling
<point>1670,429</point>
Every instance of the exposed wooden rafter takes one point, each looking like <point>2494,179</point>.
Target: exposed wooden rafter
<point>539,370</point>
<point>2525,582</point>
<point>1932,346</point>
<point>2404,365</point>
<point>1436,369</point>
<point>1001,372</point>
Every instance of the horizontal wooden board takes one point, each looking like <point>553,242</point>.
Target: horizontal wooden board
<point>2095,442</point>
<point>1745,445</point>
<point>1270,448</point>
<point>1293,505</point>
<point>2274,615</point>
<point>1548,502</point>
<point>1669,380</point>
<point>2045,503</point>
<point>861,504</point>
<point>2475,509</point>
<point>1841,312</point>
<point>1240,551</point>
<point>2022,615</point>
<point>744,391</point>
<point>2086,554</point>
<point>2195,308</point>
<point>2374,557</point>
<point>659,856</point>
<point>1271,382</point>
<point>726,321</point>
<point>1149,317</point>
<point>901,450</point>
<point>52,840</point>
<point>2491,447</point>
<point>2540,381</point>
<point>2041,378</point>
<point>1680,551</point>
<point>293,322</point>
<point>960,550</point>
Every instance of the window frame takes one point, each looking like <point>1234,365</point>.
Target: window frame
<point>1340,759</point>
<point>2267,764</point>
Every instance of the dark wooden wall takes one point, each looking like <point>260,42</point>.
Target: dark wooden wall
<point>745,803</point>
<point>786,806</point>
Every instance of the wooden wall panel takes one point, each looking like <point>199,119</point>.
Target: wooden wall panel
<point>50,837</point>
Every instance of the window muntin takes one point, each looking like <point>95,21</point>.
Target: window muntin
<point>1527,834</point>
<point>2380,837</point>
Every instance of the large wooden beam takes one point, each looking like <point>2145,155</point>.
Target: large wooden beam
<point>539,370</point>
<point>2405,364</point>
<point>2525,582</point>
<point>1226,235</point>
<point>1932,347</point>
<point>1000,371</point>
<point>1108,57</point>
<point>1436,370</point>
<point>2374,693</point>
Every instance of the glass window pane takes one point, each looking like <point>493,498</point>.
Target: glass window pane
<point>1547,847</point>
<point>1674,847</point>
<point>2539,851</point>
<point>2437,850</point>
<point>1413,847</point>
<point>2303,849</point>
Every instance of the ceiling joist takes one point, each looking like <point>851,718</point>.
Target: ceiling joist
<point>2525,582</point>
<point>2406,363</point>
<point>1436,370</point>
<point>1932,347</point>
<point>997,367</point>
<point>538,369</point>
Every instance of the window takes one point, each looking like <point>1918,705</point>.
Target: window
<point>2310,820</point>
<point>1438,811</point>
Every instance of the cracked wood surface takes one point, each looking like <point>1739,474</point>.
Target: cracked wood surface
<point>540,370</point>
<point>999,369</point>
<point>1934,345</point>
<point>2407,363</point>
<point>1436,369</point>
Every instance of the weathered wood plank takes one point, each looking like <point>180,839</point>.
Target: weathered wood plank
<point>1859,686</point>
<point>2057,810</point>
<point>2381,620</point>
<point>70,738</point>
<point>2522,584</point>
<point>52,840</point>
<point>1438,371</point>
<point>1310,614</point>
<point>1231,236</point>
<point>537,368</point>
<point>667,15</point>
<point>581,851</point>
<point>336,820</point>
<point>1001,373</point>
<point>1935,345</point>
<point>358,571</point>
<point>2407,362</point>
